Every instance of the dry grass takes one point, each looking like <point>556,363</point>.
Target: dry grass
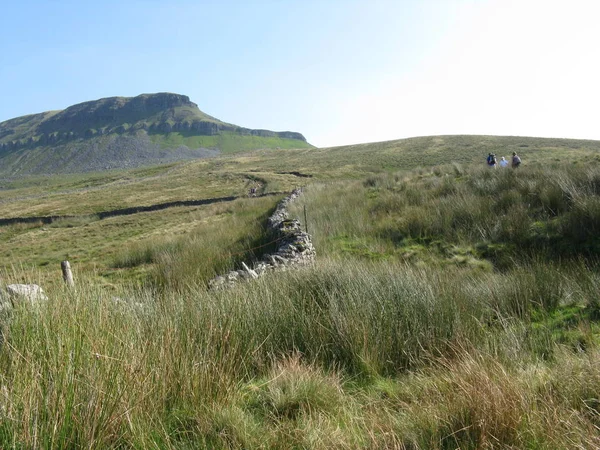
<point>305,361</point>
<point>404,334</point>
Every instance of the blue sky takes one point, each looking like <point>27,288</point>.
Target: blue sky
<point>339,71</point>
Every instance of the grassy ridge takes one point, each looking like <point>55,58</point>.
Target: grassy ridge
<point>118,132</point>
<point>350,162</point>
<point>139,149</point>
<point>107,114</point>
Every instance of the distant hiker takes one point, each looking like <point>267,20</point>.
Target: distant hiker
<point>503,162</point>
<point>516,161</point>
<point>253,192</point>
<point>491,160</point>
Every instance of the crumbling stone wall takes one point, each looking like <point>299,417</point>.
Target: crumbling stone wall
<point>294,248</point>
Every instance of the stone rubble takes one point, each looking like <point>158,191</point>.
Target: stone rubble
<point>294,248</point>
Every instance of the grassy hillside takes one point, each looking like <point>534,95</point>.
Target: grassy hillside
<point>122,132</point>
<point>450,306</point>
<point>227,142</point>
<point>488,218</point>
<point>275,165</point>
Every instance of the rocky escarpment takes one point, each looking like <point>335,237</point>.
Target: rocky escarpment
<point>125,132</point>
<point>151,113</point>
<point>294,247</point>
<point>114,111</point>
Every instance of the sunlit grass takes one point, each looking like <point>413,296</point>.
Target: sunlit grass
<point>471,217</point>
<point>342,353</point>
<point>449,307</point>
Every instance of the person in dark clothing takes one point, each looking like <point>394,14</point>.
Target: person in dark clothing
<point>516,161</point>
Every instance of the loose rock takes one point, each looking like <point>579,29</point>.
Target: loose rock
<point>29,292</point>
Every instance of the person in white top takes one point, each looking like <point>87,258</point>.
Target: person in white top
<point>503,162</point>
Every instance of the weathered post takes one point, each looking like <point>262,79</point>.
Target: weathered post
<point>67,274</point>
<point>305,220</point>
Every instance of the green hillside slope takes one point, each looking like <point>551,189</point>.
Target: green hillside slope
<point>450,305</point>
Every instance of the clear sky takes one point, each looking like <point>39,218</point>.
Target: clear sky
<point>338,71</point>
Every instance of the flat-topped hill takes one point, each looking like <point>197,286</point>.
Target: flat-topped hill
<point>125,132</point>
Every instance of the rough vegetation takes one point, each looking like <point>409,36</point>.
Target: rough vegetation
<point>450,306</point>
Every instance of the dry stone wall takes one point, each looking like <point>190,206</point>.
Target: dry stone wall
<point>294,247</point>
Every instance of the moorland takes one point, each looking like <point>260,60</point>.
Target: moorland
<point>450,305</point>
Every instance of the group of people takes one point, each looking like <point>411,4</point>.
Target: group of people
<point>516,161</point>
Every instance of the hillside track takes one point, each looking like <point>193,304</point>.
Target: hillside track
<point>132,210</point>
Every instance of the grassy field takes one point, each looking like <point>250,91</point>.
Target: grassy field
<point>450,306</point>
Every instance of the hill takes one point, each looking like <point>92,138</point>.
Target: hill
<point>233,176</point>
<point>119,132</point>
<point>450,305</point>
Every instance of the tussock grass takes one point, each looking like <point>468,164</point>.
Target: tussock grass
<point>448,308</point>
<point>499,215</point>
<point>343,354</point>
<point>230,234</point>
<point>73,222</point>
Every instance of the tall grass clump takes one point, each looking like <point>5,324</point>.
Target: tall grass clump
<point>472,401</point>
<point>363,319</point>
<point>76,221</point>
<point>86,369</point>
<point>368,347</point>
<point>229,234</point>
<point>346,352</point>
<point>503,214</point>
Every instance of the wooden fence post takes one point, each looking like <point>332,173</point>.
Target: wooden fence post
<point>66,272</point>
<point>305,220</point>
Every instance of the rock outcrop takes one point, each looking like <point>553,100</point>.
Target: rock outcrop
<point>159,113</point>
<point>294,248</point>
<point>140,126</point>
<point>15,293</point>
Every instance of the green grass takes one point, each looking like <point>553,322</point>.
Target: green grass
<point>467,217</point>
<point>341,354</point>
<point>208,235</point>
<point>449,306</point>
<point>226,142</point>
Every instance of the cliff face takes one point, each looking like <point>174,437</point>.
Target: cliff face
<point>163,119</point>
<point>114,111</point>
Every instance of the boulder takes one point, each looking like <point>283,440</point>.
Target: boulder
<point>5,303</point>
<point>21,292</point>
